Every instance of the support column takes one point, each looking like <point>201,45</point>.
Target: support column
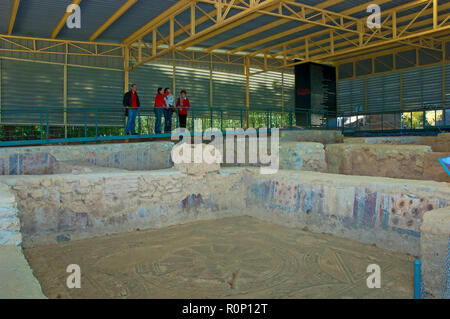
<point>126,65</point>
<point>210,80</point>
<point>282,90</point>
<point>1,62</point>
<point>65,96</point>
<point>444,55</point>
<point>174,74</point>
<point>435,14</point>
<point>247,88</point>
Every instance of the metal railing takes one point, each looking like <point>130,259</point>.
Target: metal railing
<point>37,125</point>
<point>428,118</point>
<point>22,126</point>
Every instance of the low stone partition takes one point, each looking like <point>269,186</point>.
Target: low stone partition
<point>435,250</point>
<point>396,161</point>
<point>317,136</point>
<point>59,208</point>
<point>39,160</point>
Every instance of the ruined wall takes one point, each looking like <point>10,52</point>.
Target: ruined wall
<point>59,208</point>
<point>434,249</point>
<point>382,211</point>
<point>396,161</point>
<point>372,210</point>
<point>38,160</point>
<point>9,220</point>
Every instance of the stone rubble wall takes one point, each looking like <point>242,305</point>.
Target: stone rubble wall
<point>305,156</point>
<point>9,220</point>
<point>434,245</point>
<point>395,161</point>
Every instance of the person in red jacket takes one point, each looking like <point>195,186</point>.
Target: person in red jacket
<point>159,104</point>
<point>182,107</point>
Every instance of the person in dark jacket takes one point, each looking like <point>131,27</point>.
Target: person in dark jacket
<point>131,103</point>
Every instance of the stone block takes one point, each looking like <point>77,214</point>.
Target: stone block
<point>304,156</point>
<point>434,249</point>
<point>395,161</point>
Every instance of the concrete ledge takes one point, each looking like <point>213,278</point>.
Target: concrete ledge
<point>317,136</point>
<point>16,277</point>
<point>434,248</point>
<point>9,220</point>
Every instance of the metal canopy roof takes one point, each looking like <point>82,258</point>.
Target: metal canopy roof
<point>292,31</point>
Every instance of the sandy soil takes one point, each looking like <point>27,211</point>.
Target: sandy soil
<point>228,258</point>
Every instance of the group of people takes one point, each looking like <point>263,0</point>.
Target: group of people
<point>163,106</point>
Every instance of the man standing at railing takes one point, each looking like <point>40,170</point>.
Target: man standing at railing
<point>131,103</point>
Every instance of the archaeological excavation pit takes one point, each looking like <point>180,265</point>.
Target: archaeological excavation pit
<point>148,229</point>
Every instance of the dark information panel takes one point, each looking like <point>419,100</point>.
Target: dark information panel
<point>315,86</point>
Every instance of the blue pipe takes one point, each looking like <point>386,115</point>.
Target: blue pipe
<point>417,279</point>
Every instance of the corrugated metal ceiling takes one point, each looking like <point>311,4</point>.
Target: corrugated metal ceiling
<point>38,18</point>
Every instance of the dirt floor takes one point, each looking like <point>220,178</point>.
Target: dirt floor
<point>228,258</point>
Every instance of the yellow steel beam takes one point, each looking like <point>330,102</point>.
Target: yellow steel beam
<point>45,45</point>
<point>381,43</point>
<point>12,19</point>
<point>269,26</point>
<point>63,20</point>
<point>342,44</point>
<point>348,12</point>
<point>246,15</point>
<point>177,8</point>
<point>353,10</point>
<point>324,32</point>
<point>124,8</point>
<point>325,41</point>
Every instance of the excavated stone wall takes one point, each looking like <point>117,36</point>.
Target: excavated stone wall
<point>396,161</point>
<point>435,249</point>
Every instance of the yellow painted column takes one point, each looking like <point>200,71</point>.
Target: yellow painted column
<point>65,95</point>
<point>126,65</point>
<point>247,88</point>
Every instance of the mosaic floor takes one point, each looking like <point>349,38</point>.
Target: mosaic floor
<point>228,258</point>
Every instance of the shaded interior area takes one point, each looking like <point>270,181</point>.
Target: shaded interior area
<point>237,257</point>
